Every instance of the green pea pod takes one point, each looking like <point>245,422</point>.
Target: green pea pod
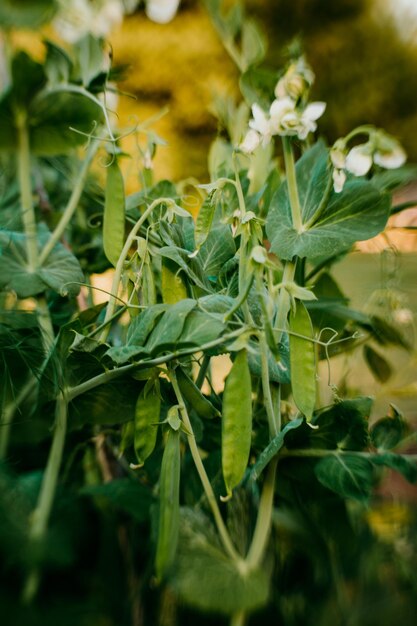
<point>114,214</point>
<point>172,286</point>
<point>204,221</point>
<point>169,505</point>
<point>127,436</point>
<point>147,412</point>
<point>302,361</point>
<point>201,405</point>
<point>236,422</point>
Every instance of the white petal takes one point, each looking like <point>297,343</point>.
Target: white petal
<point>250,142</point>
<point>390,160</point>
<point>161,11</point>
<point>339,179</point>
<point>314,111</point>
<point>359,161</point>
<point>281,107</point>
<point>260,120</point>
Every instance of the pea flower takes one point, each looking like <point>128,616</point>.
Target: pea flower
<point>296,81</point>
<point>161,11</point>
<point>359,160</point>
<point>388,151</point>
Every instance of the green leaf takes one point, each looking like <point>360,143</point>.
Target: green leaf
<point>113,403</point>
<point>169,328</point>
<point>344,425</point>
<point>279,372</point>
<point>114,214</point>
<point>273,448</point>
<point>58,65</point>
<point>257,86</point>
<point>356,214</point>
<point>205,578</point>
<point>200,328</point>
<point>253,44</point>
<point>191,267</point>
<point>60,271</point>
<point>204,221</point>
<point>401,463</point>
<point>387,432</point>
<point>124,494</point>
<point>26,13</point>
<point>347,475</point>
<point>216,250</point>
<point>89,54</point>
<point>378,365</point>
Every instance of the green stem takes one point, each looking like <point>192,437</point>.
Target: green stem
<point>264,519</point>
<point>8,414</point>
<point>203,370</point>
<point>283,304</point>
<point>105,377</point>
<point>243,251</point>
<point>208,489</point>
<point>72,202</point>
<point>320,453</point>
<point>45,324</point>
<point>238,619</point>
<point>266,388</point>
<point>292,184</point>
<point>42,512</point>
<point>121,261</point>
<point>25,184</point>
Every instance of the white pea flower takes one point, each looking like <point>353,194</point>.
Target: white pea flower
<point>339,179</point>
<point>250,142</point>
<point>76,18</point>
<point>261,123</point>
<point>161,11</point>
<point>390,159</point>
<point>309,117</point>
<point>359,160</point>
<point>338,154</point>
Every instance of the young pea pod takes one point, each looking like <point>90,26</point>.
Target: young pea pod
<point>169,505</point>
<point>147,412</point>
<point>302,361</point>
<point>201,405</point>
<point>114,214</point>
<point>236,422</point>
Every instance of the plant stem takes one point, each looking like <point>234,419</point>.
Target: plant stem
<point>41,514</point>
<point>283,304</point>
<point>264,519</point>
<point>109,375</point>
<point>203,371</point>
<point>266,388</point>
<point>9,413</point>
<point>221,527</point>
<point>25,184</point>
<point>45,324</point>
<point>121,261</point>
<point>72,202</point>
<point>238,619</point>
<point>244,287</point>
<point>292,184</point>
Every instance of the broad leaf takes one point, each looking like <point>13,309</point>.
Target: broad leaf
<point>401,463</point>
<point>387,432</point>
<point>347,475</point>
<point>358,213</point>
<point>169,328</point>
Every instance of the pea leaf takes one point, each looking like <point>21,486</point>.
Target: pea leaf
<point>273,448</point>
<point>200,328</point>
<point>26,13</point>
<point>59,272</point>
<point>387,432</point>
<point>205,578</point>
<point>405,466</point>
<point>347,475</point>
<point>113,403</point>
<point>169,328</point>
<point>356,214</point>
<point>378,365</point>
<point>216,250</point>
<point>114,214</point>
<point>191,267</point>
<point>253,44</point>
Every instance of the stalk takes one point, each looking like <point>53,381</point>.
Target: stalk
<point>264,519</point>
<point>221,527</point>
<point>42,512</point>
<point>28,211</point>
<point>72,203</point>
<point>238,619</point>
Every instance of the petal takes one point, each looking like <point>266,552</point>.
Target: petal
<point>391,160</point>
<point>260,120</point>
<point>250,142</point>
<point>339,179</point>
<point>281,107</point>
<point>314,111</point>
<point>161,11</point>
<point>359,161</point>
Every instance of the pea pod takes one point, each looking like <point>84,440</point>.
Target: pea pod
<point>204,221</point>
<point>114,214</point>
<point>172,286</point>
<point>169,505</point>
<point>302,361</point>
<point>147,412</point>
<point>127,436</point>
<point>201,405</point>
<point>237,422</point>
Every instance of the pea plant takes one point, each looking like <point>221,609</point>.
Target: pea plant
<point>125,469</point>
